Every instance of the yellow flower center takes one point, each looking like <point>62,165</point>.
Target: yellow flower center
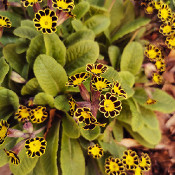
<point>152,53</point>
<point>3,131</point>
<point>24,113</point>
<point>158,64</point>
<point>157,78</point>
<point>129,160</point>
<point>109,105</point>
<point>138,171</point>
<point>167,29</point>
<point>96,71</point>
<point>172,41</point>
<point>113,166</point>
<point>164,13</point>
<point>46,22</point>
<point>100,85</point>
<point>85,114</point>
<point>143,162</point>
<point>95,151</point>
<point>2,22</point>
<point>149,9</point>
<point>78,81</point>
<point>116,89</point>
<point>38,114</point>
<point>35,145</point>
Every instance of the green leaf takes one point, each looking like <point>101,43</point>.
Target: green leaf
<point>26,164</point>
<point>114,54</point>
<point>96,10</point>
<point>31,87</point>
<point>44,99</point>
<point>61,103</point>
<point>72,158</point>
<point>16,61</point>
<point>47,163</point>
<point>81,53</point>
<point>28,23</point>
<point>51,75</point>
<point>117,130</point>
<point>130,27</point>
<point>9,102</point>
<point>90,134</point>
<point>132,58</point>
<point>70,127</point>
<point>78,25</point>
<point>55,48</point>
<point>22,45</point>
<point>25,32</point>
<point>78,36</point>
<point>165,102</point>
<point>81,9</point>
<point>36,48</point>
<point>4,69</point>
<point>96,2</point>
<point>98,23</point>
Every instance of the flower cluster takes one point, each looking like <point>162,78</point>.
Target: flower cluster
<point>86,111</point>
<point>129,162</point>
<point>36,115</point>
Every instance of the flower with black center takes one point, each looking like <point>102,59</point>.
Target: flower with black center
<point>96,69</point>
<point>130,159</point>
<point>164,13</point>
<point>38,115</point>
<point>84,115</point>
<point>152,52</point>
<point>77,79</point>
<point>116,89</point>
<point>167,28</point>
<point>100,83</point>
<point>35,146</point>
<point>170,41</point>
<point>160,65</point>
<point>46,21</point>
<point>4,126</point>
<point>5,22</point>
<point>151,101</point>
<point>22,114</point>
<point>13,157</point>
<point>64,5</point>
<point>73,105</point>
<point>96,151</point>
<point>27,3</point>
<point>110,105</point>
<point>149,9</point>
<point>145,162</point>
<point>158,79</point>
<point>113,166</point>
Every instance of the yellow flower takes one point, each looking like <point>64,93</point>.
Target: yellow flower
<point>116,89</point>
<point>35,146</point>
<point>110,105</point>
<point>145,162</point>
<point>130,160</point>
<point>22,114</point>
<point>46,21</point>
<point>65,5</point>
<point>166,29</point>
<point>152,52</point>
<point>164,13</point>
<point>157,78</point>
<point>170,41</point>
<point>5,22</point>
<point>27,3</point>
<point>96,69</point>
<point>4,126</point>
<point>138,171</point>
<point>151,101</point>
<point>149,9</point>
<point>96,151</point>
<point>99,83</point>
<point>157,4</point>
<point>77,79</point>
<point>73,105</point>
<point>13,157</point>
<point>38,115</point>
<point>160,65</point>
<point>113,166</point>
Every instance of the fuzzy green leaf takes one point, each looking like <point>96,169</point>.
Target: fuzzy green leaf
<point>4,69</point>
<point>70,127</point>
<point>44,99</point>
<point>130,27</point>
<point>114,54</point>
<point>51,75</point>
<point>132,58</point>
<point>36,48</point>
<point>78,25</point>
<point>81,53</point>
<point>117,130</point>
<point>72,158</point>
<point>55,48</point>
<point>28,23</point>
<point>98,23</point>
<point>165,103</point>
<point>61,103</point>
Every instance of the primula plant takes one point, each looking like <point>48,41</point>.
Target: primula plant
<point>80,83</point>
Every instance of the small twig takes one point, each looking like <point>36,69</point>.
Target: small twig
<point>134,35</point>
<point>110,7</point>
